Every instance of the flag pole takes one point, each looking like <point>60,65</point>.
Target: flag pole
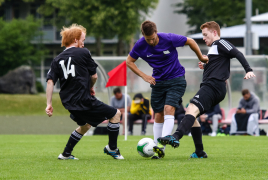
<point>126,132</point>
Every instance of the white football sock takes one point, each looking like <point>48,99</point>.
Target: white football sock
<point>168,125</point>
<point>158,127</point>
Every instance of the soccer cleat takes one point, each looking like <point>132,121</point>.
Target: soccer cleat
<point>114,153</point>
<point>155,156</point>
<point>61,157</point>
<point>160,150</point>
<point>171,140</point>
<point>194,155</point>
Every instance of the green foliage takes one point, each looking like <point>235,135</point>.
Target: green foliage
<point>15,43</point>
<point>102,18</point>
<point>39,87</point>
<point>35,157</point>
<point>229,13</point>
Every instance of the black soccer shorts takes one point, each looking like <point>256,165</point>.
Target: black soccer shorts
<point>94,116</point>
<point>210,94</point>
<point>167,92</point>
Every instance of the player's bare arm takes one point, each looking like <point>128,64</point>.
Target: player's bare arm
<point>193,45</point>
<point>94,78</point>
<point>49,92</point>
<point>131,64</point>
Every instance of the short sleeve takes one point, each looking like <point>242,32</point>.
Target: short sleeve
<point>91,65</point>
<point>227,48</point>
<point>133,53</point>
<point>177,40</point>
<point>52,73</point>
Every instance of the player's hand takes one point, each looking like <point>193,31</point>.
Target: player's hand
<point>204,59</point>
<point>49,110</point>
<point>149,79</point>
<point>92,91</point>
<point>201,65</point>
<point>243,111</point>
<point>249,75</point>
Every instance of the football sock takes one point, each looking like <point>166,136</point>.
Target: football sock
<point>113,131</point>
<point>168,125</point>
<point>73,140</point>
<point>197,137</point>
<point>185,125</point>
<point>158,127</point>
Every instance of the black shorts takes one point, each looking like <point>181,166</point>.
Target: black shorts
<point>168,92</point>
<point>211,93</point>
<point>94,116</point>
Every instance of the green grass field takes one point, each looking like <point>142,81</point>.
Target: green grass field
<point>35,157</point>
<point>25,105</point>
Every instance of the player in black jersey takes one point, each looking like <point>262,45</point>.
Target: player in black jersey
<point>76,71</point>
<point>212,89</point>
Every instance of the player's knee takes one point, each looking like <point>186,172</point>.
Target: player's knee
<point>169,110</point>
<point>116,118</point>
<point>192,110</point>
<point>83,129</point>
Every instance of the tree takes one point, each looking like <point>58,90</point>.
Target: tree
<point>15,43</point>
<point>229,13</point>
<point>102,18</point>
<point>128,17</point>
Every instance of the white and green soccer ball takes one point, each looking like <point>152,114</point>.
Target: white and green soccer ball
<point>145,147</point>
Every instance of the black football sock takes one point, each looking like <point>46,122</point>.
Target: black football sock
<point>185,125</point>
<point>73,140</point>
<point>197,137</point>
<point>113,130</point>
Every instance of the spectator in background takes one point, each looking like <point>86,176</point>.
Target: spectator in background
<point>140,109</point>
<point>246,118</point>
<point>118,102</point>
<point>214,115</point>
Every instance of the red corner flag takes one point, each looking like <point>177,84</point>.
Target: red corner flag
<point>118,76</point>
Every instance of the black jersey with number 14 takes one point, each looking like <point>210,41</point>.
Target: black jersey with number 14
<point>74,68</point>
<point>219,55</point>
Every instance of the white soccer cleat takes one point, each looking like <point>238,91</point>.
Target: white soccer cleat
<point>114,153</point>
<point>61,157</point>
<point>213,134</point>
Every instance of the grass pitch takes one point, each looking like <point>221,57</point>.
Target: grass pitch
<point>35,157</point>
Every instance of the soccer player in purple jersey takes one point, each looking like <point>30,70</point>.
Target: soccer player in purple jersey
<point>212,89</point>
<point>167,82</point>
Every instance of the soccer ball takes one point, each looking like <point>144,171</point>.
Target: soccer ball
<point>145,147</point>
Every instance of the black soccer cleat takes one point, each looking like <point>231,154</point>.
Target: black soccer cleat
<point>160,150</point>
<point>171,140</point>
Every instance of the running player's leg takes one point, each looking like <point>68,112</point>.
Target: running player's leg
<point>197,138</point>
<point>113,131</point>
<point>158,97</point>
<point>158,128</point>
<point>187,122</point>
<point>175,90</point>
<point>75,137</point>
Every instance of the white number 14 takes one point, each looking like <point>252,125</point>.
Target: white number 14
<point>68,70</point>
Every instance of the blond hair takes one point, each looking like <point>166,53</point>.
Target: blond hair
<point>69,34</point>
<point>211,25</point>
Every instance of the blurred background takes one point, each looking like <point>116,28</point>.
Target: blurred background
<point>30,39</point>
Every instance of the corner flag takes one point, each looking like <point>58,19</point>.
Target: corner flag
<point>118,76</point>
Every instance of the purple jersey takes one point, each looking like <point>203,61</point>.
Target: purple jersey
<point>163,57</point>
